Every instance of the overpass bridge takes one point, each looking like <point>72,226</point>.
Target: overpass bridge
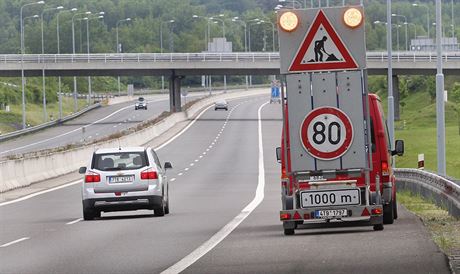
<point>183,64</point>
<point>175,66</point>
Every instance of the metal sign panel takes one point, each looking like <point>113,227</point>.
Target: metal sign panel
<point>326,121</point>
<point>322,42</point>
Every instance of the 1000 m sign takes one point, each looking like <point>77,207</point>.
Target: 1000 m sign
<point>326,133</point>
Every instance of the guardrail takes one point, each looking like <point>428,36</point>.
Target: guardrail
<point>445,193</point>
<point>406,56</point>
<point>21,132</point>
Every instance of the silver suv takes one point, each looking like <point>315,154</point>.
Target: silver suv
<point>128,178</point>
<point>141,103</point>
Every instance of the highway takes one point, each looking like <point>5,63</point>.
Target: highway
<point>95,124</point>
<point>225,201</point>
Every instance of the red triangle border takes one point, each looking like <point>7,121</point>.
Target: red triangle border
<point>297,66</point>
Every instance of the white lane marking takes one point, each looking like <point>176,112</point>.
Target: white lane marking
<point>15,242</point>
<point>186,169</point>
<point>74,221</point>
<point>228,228</point>
<point>196,160</point>
<point>180,174</point>
<point>115,126</point>
<point>67,133</point>
<point>97,134</point>
<point>172,179</point>
<point>207,149</point>
<point>184,130</point>
<point>79,181</point>
<point>192,164</point>
<point>40,193</point>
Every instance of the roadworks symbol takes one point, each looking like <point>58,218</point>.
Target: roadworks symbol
<point>322,49</point>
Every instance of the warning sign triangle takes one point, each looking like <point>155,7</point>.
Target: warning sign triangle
<point>322,49</point>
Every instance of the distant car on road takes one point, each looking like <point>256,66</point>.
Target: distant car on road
<point>141,103</point>
<point>221,104</point>
<point>130,178</point>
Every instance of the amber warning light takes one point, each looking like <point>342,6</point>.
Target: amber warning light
<point>353,17</point>
<point>289,21</point>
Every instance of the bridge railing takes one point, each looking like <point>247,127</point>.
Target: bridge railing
<point>410,56</point>
<point>444,192</point>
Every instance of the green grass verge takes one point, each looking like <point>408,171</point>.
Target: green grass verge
<point>423,140</point>
<point>445,229</point>
<point>11,121</point>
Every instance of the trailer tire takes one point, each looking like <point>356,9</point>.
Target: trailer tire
<point>388,213</point>
<point>378,227</point>
<point>289,231</point>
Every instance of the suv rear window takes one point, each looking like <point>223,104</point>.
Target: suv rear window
<point>119,161</point>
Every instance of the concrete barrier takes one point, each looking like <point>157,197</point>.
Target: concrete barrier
<point>26,171</point>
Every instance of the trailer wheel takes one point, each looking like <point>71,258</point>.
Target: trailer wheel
<point>388,213</point>
<point>288,231</point>
<point>378,227</point>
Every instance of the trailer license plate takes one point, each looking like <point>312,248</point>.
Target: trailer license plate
<point>331,213</point>
<point>317,198</point>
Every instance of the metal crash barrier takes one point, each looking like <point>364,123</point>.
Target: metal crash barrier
<point>445,193</point>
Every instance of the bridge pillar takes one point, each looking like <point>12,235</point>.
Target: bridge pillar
<point>174,93</point>
<point>396,97</point>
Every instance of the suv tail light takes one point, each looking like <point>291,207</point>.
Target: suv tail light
<point>149,174</point>
<point>92,177</point>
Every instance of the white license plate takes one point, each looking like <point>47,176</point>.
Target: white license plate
<point>317,198</point>
<point>331,213</point>
<point>120,179</point>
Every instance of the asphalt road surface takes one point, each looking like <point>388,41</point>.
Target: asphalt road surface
<point>97,124</point>
<point>225,201</point>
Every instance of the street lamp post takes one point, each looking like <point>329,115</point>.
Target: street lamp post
<point>45,115</point>
<point>236,19</point>
<point>273,33</point>
<point>415,29</point>
<point>118,47</point>
<point>73,51</point>
<point>161,33</point>
<point>405,23</point>
<point>22,60</point>
<point>223,24</point>
<point>161,49</point>
<point>36,16</point>
<point>87,19</point>
<point>427,16</point>
<point>59,52</point>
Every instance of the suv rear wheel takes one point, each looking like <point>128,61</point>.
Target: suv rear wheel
<point>161,210</point>
<point>89,213</point>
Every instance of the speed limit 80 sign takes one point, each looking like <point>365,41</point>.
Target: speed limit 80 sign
<point>326,133</point>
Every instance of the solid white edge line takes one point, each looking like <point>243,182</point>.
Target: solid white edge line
<point>40,193</point>
<point>15,242</point>
<point>74,221</point>
<point>228,228</point>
